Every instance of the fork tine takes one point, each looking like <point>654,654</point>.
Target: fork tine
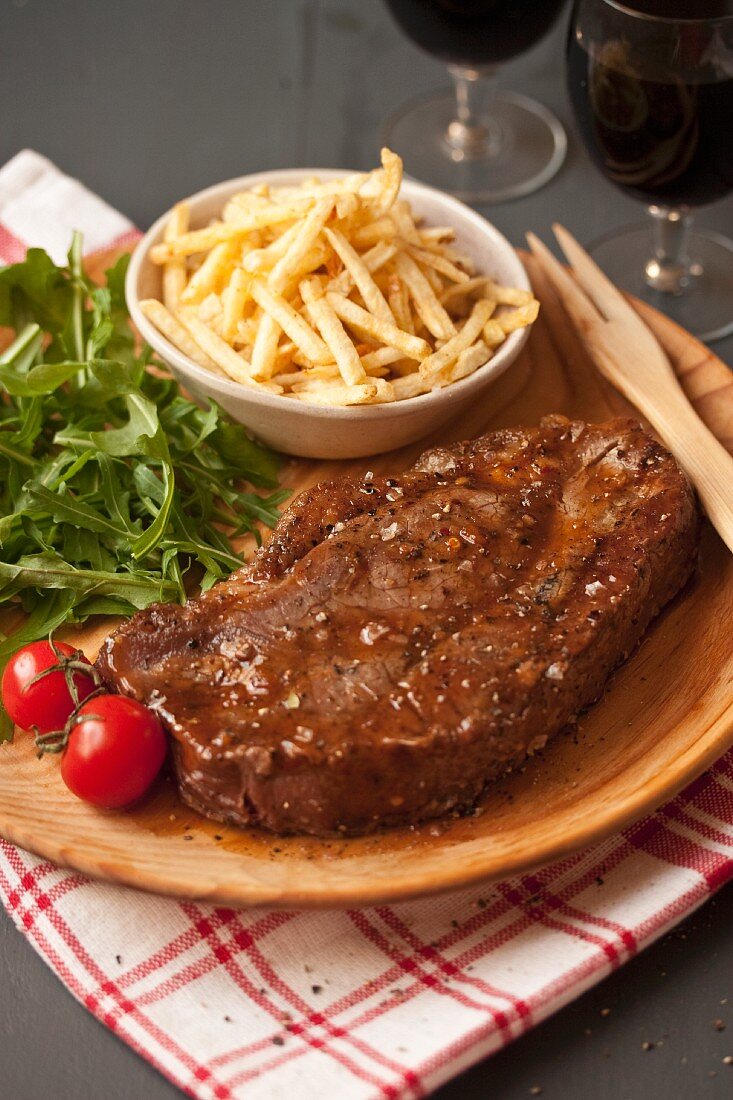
<point>597,286</point>
<point>579,306</point>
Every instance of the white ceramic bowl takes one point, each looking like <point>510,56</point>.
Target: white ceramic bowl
<point>334,432</point>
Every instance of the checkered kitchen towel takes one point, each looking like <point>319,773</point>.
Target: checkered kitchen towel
<point>383,1002</point>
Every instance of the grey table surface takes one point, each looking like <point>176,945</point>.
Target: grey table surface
<point>147,101</point>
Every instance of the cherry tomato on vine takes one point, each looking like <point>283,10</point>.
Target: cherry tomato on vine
<point>47,703</point>
<point>115,750</point>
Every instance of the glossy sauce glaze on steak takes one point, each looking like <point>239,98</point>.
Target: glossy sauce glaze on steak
<point>401,641</point>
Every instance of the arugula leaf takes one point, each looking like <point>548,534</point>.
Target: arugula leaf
<point>113,484</point>
<point>34,290</point>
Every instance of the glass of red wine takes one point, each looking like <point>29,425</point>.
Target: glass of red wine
<point>651,83</point>
<point>482,144</point>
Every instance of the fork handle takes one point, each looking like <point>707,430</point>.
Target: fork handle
<point>701,455</point>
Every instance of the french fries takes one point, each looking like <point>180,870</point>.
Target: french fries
<point>428,308</point>
<point>333,332</point>
<point>174,272</point>
<point>176,333</point>
<point>330,293</point>
<point>451,349</point>
<point>374,300</point>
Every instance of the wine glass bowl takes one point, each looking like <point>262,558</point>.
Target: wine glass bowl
<point>651,83</point>
<point>481,144</point>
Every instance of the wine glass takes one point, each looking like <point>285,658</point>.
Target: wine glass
<point>651,83</point>
<point>480,143</point>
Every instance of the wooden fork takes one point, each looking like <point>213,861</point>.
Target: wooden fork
<point>627,353</point>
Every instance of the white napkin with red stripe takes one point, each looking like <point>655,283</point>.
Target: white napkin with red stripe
<point>383,1002</point>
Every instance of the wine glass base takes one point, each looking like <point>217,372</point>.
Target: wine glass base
<point>526,144</point>
<point>705,307</point>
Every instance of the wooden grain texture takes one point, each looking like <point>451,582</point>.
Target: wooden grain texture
<point>666,716</point>
<point>627,353</point>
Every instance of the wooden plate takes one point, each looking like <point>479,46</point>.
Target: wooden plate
<point>667,715</point>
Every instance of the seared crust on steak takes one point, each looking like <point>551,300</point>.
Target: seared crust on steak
<point>401,641</point>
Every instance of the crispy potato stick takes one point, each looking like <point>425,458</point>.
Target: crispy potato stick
<point>429,309</point>
<point>404,366</point>
<point>439,263</point>
<point>371,391</point>
<point>460,290</point>
<point>385,390</point>
<point>399,302</point>
<point>510,296</point>
<point>283,365</point>
<point>264,349</point>
<point>212,271</point>
<point>380,358</point>
<point>392,180</point>
<point>410,346</point>
<point>458,257</point>
<point>284,358</point>
<point>434,235</point>
<point>410,385</point>
<point>364,236</point>
<point>347,205</point>
<point>268,331</point>
<point>316,257</point>
<point>234,301</point>
<point>302,243</point>
<point>299,259</point>
<point>291,323</point>
<point>337,393</point>
<point>374,259</point>
<point>200,240</point>
<point>519,318</point>
<point>463,339</point>
<point>210,312</point>
<point>331,292</point>
<point>316,190</point>
<point>327,372</point>
<point>455,256</point>
<point>225,357</point>
<point>380,254</point>
<point>247,328</point>
<point>493,333</point>
<point>333,332</point>
<point>264,258</point>
<point>170,327</point>
<point>374,300</point>
<point>174,272</point>
<point>404,223</point>
<point>433,278</point>
<point>468,362</point>
<point>241,206</point>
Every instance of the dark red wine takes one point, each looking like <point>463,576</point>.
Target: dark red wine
<point>659,129</point>
<point>475,32</point>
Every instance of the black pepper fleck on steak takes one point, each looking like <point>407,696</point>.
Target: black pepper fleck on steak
<point>399,642</point>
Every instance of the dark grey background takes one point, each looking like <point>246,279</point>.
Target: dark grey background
<point>146,100</point>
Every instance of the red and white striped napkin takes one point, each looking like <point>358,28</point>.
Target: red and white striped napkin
<point>382,1002</point>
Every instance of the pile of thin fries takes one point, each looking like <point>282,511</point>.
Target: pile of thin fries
<point>330,293</point>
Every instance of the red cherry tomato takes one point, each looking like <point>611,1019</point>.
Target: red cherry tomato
<point>114,753</point>
<point>48,703</point>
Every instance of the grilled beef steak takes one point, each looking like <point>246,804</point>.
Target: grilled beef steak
<point>401,641</point>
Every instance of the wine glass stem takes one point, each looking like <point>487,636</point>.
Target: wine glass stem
<point>471,135</point>
<point>669,269</point>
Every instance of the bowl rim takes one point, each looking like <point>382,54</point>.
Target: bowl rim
<point>228,388</point>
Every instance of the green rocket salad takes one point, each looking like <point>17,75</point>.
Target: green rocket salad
<point>113,484</point>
